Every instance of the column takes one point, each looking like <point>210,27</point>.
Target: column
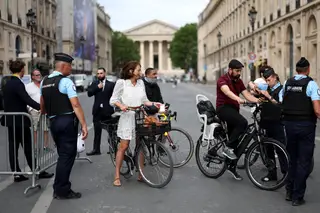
<point>142,55</point>
<point>150,53</point>
<point>169,59</point>
<point>160,55</point>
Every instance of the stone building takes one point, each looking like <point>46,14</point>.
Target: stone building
<point>153,38</point>
<point>15,36</point>
<point>284,31</point>
<point>104,39</point>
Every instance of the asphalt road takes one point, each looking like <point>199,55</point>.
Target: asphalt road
<point>188,192</point>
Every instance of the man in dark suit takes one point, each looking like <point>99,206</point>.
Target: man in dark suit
<point>102,90</point>
<point>152,88</point>
<point>16,100</point>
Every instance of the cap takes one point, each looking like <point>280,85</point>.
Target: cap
<point>262,69</point>
<point>63,57</point>
<point>303,62</point>
<point>235,64</point>
<point>268,72</point>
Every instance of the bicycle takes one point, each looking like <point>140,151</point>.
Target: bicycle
<point>146,147</point>
<point>173,146</point>
<point>242,165</point>
<point>219,139</point>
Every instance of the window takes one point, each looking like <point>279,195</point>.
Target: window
<point>10,39</point>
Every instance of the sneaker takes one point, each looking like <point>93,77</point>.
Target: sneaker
<point>234,173</point>
<point>229,153</point>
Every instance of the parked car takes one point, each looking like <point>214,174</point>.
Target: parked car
<point>112,78</point>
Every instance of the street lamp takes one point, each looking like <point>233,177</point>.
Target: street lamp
<point>97,54</point>
<point>252,18</point>
<point>219,36</point>
<point>31,22</point>
<point>82,41</point>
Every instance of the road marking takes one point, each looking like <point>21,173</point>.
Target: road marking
<point>8,181</point>
<point>44,201</point>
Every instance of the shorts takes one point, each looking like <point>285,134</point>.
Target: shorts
<point>36,120</point>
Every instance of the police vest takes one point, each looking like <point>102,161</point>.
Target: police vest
<point>55,102</point>
<point>271,111</point>
<point>297,106</point>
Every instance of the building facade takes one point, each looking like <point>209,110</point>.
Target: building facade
<point>153,38</point>
<point>284,31</point>
<point>104,56</point>
<point>15,36</point>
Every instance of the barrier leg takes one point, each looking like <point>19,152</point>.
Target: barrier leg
<point>34,185</point>
<point>83,158</point>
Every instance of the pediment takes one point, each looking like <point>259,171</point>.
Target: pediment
<point>152,28</point>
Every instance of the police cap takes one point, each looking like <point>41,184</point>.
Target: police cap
<point>235,64</point>
<point>63,57</point>
<point>302,63</point>
<point>268,72</point>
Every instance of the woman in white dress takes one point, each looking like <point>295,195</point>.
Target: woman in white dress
<point>129,91</point>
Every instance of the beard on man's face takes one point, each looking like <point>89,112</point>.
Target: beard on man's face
<point>101,78</point>
<point>235,76</point>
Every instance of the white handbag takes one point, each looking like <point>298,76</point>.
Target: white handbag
<point>80,144</point>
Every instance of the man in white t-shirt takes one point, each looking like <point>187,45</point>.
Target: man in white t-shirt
<point>33,89</point>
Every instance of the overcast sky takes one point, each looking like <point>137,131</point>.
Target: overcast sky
<point>126,14</point>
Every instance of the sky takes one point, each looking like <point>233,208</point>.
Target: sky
<point>126,14</point>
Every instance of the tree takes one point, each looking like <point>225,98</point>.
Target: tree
<point>183,48</point>
<point>123,50</point>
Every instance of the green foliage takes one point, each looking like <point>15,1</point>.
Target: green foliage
<point>183,48</point>
<point>123,50</point>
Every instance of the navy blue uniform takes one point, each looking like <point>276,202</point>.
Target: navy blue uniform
<point>56,90</point>
<point>300,124</point>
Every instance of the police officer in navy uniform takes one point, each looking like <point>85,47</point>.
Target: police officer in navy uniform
<point>301,107</point>
<point>271,121</point>
<point>60,102</point>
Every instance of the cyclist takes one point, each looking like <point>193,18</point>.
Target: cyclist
<point>271,120</point>
<point>229,87</point>
<point>152,88</point>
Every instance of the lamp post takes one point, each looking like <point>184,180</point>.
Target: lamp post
<point>219,36</point>
<point>97,55</point>
<point>31,22</point>
<point>252,18</point>
<point>82,41</point>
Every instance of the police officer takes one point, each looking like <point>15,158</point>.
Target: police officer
<point>60,102</point>
<point>271,121</point>
<point>301,108</point>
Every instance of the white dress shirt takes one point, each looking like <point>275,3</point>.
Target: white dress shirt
<point>34,92</point>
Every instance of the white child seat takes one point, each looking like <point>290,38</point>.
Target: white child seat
<point>208,130</point>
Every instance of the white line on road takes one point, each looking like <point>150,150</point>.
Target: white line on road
<point>43,203</point>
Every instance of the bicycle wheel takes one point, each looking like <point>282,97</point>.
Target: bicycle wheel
<point>180,150</point>
<point>266,164</point>
<point>219,159</point>
<point>148,158</point>
<point>241,161</point>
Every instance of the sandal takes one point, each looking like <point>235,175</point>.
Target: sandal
<point>117,182</point>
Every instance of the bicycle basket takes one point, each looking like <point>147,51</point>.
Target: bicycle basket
<point>148,125</point>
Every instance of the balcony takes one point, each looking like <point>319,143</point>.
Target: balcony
<point>19,22</point>
<point>9,18</point>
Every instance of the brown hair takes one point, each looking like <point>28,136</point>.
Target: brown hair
<point>302,69</point>
<point>129,66</point>
<point>16,66</point>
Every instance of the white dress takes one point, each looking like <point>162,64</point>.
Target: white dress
<point>133,96</point>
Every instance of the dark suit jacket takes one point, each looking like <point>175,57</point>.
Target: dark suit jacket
<point>101,96</point>
<point>16,99</point>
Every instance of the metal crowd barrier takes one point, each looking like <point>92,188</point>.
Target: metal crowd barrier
<point>38,144</point>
